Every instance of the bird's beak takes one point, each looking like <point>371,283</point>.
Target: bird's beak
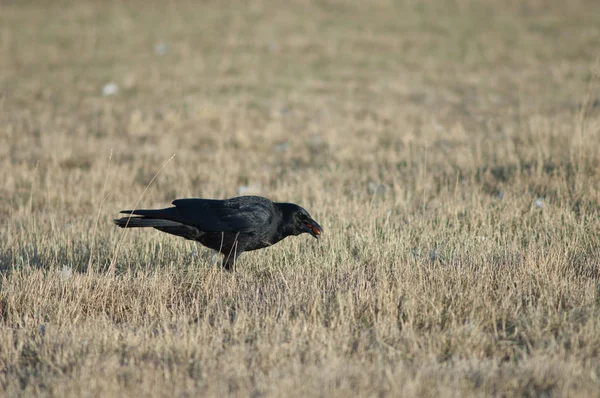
<point>313,227</point>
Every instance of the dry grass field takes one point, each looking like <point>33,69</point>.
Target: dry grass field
<point>450,150</point>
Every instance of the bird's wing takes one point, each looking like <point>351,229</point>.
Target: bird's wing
<point>243,214</point>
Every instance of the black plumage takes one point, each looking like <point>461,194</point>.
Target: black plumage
<point>230,226</point>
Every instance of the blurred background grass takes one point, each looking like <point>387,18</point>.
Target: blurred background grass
<point>449,149</point>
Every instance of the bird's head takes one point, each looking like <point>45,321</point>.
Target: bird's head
<point>296,221</point>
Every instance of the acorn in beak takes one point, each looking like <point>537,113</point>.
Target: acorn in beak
<point>313,227</point>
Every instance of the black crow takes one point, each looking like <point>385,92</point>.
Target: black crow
<point>231,226</point>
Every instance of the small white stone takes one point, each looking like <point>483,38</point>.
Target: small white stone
<point>161,49</point>
<point>539,202</point>
<point>375,188</point>
<point>66,272</point>
<point>110,89</point>
<point>252,189</point>
<point>282,147</point>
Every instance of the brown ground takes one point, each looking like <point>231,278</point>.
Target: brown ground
<point>450,149</point>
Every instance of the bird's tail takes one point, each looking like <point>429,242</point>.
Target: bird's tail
<point>142,222</point>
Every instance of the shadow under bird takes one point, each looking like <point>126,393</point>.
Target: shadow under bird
<point>230,226</point>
